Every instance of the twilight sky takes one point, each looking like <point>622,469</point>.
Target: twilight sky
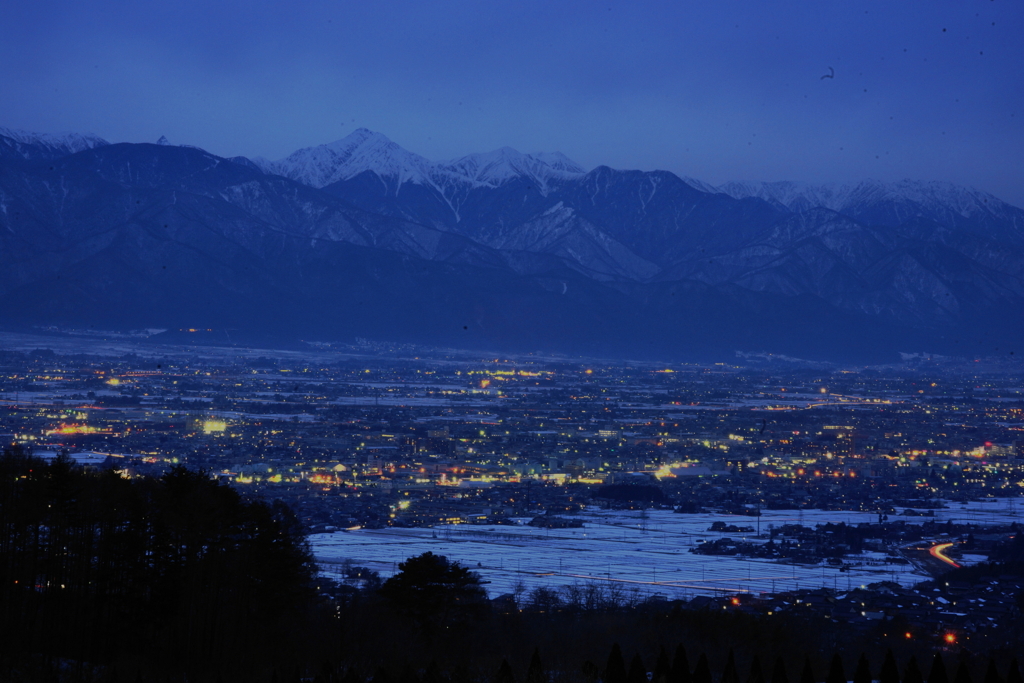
<point>721,90</point>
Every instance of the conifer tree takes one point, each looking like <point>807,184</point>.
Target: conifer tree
<point>756,674</point>
<point>680,666</point>
<point>889,673</point>
<point>327,675</point>
<point>1013,675</point>
<point>963,674</point>
<point>505,674</point>
<point>807,675</point>
<point>729,674</point>
<point>938,672</point>
<point>662,667</point>
<point>381,675</point>
<point>702,672</point>
<point>835,670</point>
<point>637,670</point>
<point>615,669</point>
<point>912,674</point>
<point>991,673</point>
<point>351,676</point>
<point>433,673</point>
<point>779,672</point>
<point>862,674</point>
<point>535,672</point>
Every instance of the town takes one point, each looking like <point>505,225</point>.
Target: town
<point>378,441</point>
<point>373,441</point>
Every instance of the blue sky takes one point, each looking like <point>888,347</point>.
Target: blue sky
<point>720,90</point>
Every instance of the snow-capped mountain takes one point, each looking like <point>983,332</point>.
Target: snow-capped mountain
<point>363,237</point>
<point>38,146</point>
<point>364,150</point>
<point>881,203</point>
<point>505,164</point>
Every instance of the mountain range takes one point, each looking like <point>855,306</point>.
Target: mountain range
<point>500,250</point>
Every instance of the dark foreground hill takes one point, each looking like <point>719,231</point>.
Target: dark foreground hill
<point>105,579</point>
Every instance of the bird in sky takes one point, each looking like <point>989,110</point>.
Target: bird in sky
<point>830,74</point>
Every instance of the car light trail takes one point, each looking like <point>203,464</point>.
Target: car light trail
<point>938,552</point>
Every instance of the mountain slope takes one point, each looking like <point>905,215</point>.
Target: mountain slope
<point>23,145</point>
<point>514,251</point>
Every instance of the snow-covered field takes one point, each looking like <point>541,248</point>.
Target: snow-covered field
<point>613,546</point>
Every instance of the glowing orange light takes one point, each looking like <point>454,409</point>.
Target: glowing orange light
<point>75,428</point>
<point>907,634</point>
<point>590,372</point>
<point>735,601</point>
<point>950,638</point>
<point>484,383</point>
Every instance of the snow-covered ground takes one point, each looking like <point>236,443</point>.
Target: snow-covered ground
<point>613,546</point>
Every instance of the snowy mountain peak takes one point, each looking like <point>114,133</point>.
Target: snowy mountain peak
<point>365,150</point>
<point>905,198</point>
<point>559,162</point>
<point>362,150</point>
<point>505,163</point>
<point>36,145</point>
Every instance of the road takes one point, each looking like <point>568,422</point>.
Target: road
<point>938,551</point>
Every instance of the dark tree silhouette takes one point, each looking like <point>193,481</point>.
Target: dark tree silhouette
<point>862,674</point>
<point>433,673</point>
<point>535,672</point>
<point>680,666</point>
<point>434,590</point>
<point>807,674</point>
<point>963,674</point>
<point>1013,675</point>
<point>662,667</point>
<point>756,673</point>
<point>890,673</point>
<point>729,673</point>
<point>615,668</point>
<point>779,672</point>
<point>637,671</point>
<point>835,670</point>
<point>381,675</point>
<point>991,673</point>
<point>912,674</point>
<point>180,571</point>
<point>407,675</point>
<point>938,670</point>
<point>505,674</point>
<point>328,675</point>
<point>702,672</point>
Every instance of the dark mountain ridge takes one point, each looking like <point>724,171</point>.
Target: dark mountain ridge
<point>501,251</point>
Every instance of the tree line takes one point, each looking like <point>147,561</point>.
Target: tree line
<point>105,579</point>
<point>178,574</point>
